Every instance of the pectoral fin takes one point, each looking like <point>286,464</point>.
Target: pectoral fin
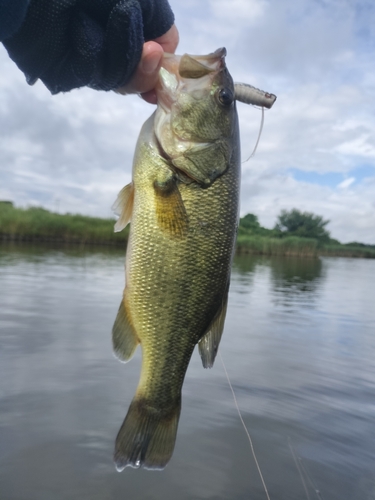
<point>204,163</point>
<point>123,206</point>
<point>170,210</point>
<point>209,343</point>
<point>124,338</point>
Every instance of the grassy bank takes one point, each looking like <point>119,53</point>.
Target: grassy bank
<point>290,246</point>
<point>255,239</point>
<point>37,224</point>
<point>299,247</point>
<point>334,250</point>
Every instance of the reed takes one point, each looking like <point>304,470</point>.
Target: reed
<point>38,224</point>
<point>289,246</point>
<point>360,251</point>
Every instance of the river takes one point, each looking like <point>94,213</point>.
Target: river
<point>299,347</point>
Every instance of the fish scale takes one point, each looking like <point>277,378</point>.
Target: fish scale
<point>183,210</point>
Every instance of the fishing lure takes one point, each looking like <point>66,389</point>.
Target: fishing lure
<point>248,94</point>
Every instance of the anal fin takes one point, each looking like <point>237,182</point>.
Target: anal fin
<point>209,343</point>
<point>124,338</point>
<point>123,206</point>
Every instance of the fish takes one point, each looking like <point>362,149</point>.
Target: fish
<point>183,206</point>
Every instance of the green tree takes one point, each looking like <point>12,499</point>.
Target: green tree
<point>250,221</point>
<point>303,224</point>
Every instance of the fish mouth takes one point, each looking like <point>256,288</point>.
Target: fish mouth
<point>186,74</point>
<point>179,72</point>
<point>183,79</point>
<point>192,66</point>
<point>198,66</point>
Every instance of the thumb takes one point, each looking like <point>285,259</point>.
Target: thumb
<point>146,74</point>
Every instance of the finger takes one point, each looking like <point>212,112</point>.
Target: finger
<point>146,74</point>
<point>169,40</point>
<point>145,77</point>
<point>149,97</point>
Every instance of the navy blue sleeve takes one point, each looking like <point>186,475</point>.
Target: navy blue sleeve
<point>96,43</point>
<point>12,14</point>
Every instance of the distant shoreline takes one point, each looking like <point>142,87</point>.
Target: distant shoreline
<point>19,238</point>
<point>37,225</point>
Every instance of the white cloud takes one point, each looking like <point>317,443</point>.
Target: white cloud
<point>350,211</point>
<point>346,183</point>
<point>242,12</point>
<point>316,56</point>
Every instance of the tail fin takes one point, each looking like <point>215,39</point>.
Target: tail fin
<point>147,436</point>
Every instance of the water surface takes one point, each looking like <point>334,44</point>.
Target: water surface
<point>299,346</point>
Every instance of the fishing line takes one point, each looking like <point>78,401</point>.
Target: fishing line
<point>244,426</point>
<point>299,469</point>
<point>317,491</point>
<point>302,468</point>
<point>259,134</point>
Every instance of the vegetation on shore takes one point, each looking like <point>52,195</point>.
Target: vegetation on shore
<point>39,224</point>
<point>295,233</point>
<point>300,234</point>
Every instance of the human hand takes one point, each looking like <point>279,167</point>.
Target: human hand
<point>147,73</point>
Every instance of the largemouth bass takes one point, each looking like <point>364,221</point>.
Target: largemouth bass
<point>183,207</point>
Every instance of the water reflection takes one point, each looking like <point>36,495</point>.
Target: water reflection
<point>31,252</point>
<point>296,280</point>
<point>299,346</point>
<point>246,264</point>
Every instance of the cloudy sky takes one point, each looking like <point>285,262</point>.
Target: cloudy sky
<point>73,152</point>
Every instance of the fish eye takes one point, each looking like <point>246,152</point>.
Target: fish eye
<point>225,96</point>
